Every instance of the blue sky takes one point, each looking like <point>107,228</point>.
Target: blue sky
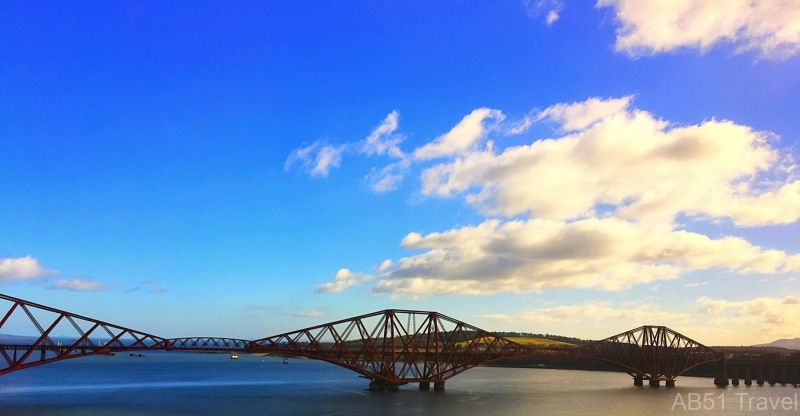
<point>247,169</point>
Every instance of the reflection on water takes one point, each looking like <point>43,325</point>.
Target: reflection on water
<point>213,384</point>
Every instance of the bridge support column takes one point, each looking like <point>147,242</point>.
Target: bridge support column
<point>772,375</point>
<point>760,374</point>
<point>748,377</point>
<point>638,381</point>
<point>424,385</point>
<point>783,375</point>
<point>735,374</point>
<point>655,383</point>
<point>670,383</point>
<point>378,385</point>
<point>393,387</point>
<point>722,376</point>
<point>438,386</point>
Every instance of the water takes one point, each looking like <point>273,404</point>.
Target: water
<point>213,384</point>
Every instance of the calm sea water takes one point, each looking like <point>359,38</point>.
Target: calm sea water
<point>213,384</point>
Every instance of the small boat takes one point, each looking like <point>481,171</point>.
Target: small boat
<point>286,360</point>
<point>234,356</point>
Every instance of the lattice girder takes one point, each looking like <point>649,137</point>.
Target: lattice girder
<point>650,352</point>
<point>396,346</point>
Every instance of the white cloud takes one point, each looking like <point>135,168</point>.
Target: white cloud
<point>464,137</point>
<point>777,317</point>
<point>344,279</point>
<point>769,27</point>
<point>22,268</point>
<point>387,178</point>
<point>382,141</point>
<point>628,160</point>
<point>538,254</point>
<point>579,115</point>
<point>695,284</point>
<point>550,8</point>
<point>316,159</point>
<point>80,284</point>
<point>314,313</point>
<point>595,207</point>
<point>385,265</point>
<point>601,311</point>
<point>319,158</point>
<point>792,264</point>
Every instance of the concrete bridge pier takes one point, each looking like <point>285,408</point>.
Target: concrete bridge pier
<point>438,386</point>
<point>748,378</point>
<point>424,385</point>
<point>760,375</point>
<point>735,375</point>
<point>638,381</point>
<point>670,383</point>
<point>655,383</point>
<point>783,378</point>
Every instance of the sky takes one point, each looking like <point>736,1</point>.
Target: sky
<point>244,169</point>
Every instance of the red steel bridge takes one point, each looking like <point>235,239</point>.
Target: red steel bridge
<point>390,348</point>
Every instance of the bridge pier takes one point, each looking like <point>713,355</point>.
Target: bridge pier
<point>722,376</point>
<point>638,381</point>
<point>377,385</point>
<point>760,374</point>
<point>735,374</point>
<point>424,385</point>
<point>655,383</point>
<point>670,383</point>
<point>783,375</point>
<point>748,377</point>
<point>772,378</point>
<point>438,386</point>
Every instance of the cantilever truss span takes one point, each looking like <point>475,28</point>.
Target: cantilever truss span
<point>399,346</point>
<point>650,352</point>
<point>391,347</point>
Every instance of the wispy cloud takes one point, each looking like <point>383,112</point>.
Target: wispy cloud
<point>80,284</point>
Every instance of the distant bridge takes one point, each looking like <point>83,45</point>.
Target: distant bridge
<point>390,347</point>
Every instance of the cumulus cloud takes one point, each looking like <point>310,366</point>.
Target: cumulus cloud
<point>628,160</point>
<point>22,268</point>
<point>539,254</point>
<point>768,27</point>
<point>343,280</point>
<point>772,316</point>
<point>80,284</point>
<point>597,206</point>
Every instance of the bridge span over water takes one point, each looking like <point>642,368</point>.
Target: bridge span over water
<point>392,347</point>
